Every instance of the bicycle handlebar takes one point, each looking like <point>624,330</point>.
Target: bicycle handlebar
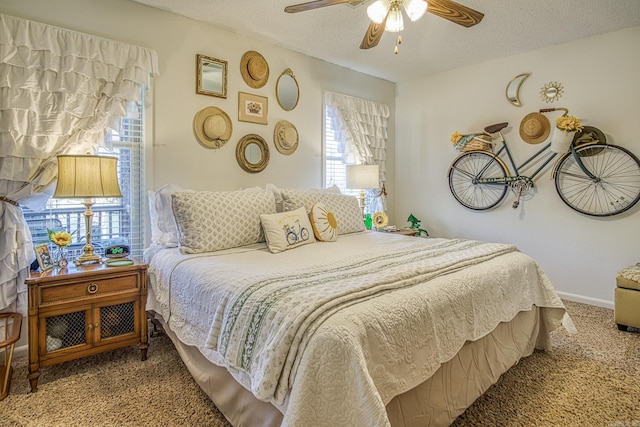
<point>548,110</point>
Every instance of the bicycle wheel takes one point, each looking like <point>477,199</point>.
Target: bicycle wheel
<point>615,187</point>
<point>463,180</point>
<point>291,237</point>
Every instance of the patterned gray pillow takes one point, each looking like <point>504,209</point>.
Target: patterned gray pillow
<point>211,221</point>
<point>345,208</point>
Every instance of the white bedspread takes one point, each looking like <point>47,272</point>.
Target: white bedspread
<point>331,332</point>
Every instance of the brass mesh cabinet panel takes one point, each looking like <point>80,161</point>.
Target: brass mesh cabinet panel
<point>81,311</point>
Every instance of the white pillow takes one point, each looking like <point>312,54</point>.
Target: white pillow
<point>277,193</point>
<point>345,208</point>
<point>153,216</point>
<point>166,223</point>
<point>287,230</point>
<point>324,223</point>
<point>210,221</point>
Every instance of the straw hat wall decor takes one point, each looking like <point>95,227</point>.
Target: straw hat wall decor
<point>212,127</point>
<point>254,69</point>
<point>285,137</point>
<point>534,128</point>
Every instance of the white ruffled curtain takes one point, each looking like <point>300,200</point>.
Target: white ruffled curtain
<point>59,91</point>
<point>361,127</point>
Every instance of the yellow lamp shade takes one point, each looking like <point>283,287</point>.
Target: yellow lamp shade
<point>85,176</point>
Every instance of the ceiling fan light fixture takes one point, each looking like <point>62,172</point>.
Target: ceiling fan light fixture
<point>415,9</point>
<point>395,22</point>
<point>378,10</point>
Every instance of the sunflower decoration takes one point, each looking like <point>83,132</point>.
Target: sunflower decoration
<point>61,239</point>
<point>380,219</point>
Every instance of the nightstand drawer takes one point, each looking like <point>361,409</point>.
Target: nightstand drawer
<point>88,288</point>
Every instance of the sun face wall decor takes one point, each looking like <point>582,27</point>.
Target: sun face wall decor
<point>551,91</point>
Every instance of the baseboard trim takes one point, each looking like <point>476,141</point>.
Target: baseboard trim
<point>586,300</point>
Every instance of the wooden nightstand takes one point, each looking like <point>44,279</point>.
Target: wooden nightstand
<point>81,311</point>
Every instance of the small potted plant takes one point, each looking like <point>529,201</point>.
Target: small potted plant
<point>565,131</point>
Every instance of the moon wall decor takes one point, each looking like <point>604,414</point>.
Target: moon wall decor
<point>513,89</point>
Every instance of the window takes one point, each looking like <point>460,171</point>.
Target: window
<point>361,125</point>
<point>335,169</point>
<point>116,220</point>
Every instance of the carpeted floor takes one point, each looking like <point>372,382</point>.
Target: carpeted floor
<point>588,379</point>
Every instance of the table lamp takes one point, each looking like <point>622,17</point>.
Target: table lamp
<point>363,177</point>
<point>87,177</point>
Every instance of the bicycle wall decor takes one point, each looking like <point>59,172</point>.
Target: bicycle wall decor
<point>592,177</point>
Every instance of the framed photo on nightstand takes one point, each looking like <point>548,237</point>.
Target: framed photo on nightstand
<point>44,257</point>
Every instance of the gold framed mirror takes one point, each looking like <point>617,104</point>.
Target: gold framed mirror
<point>211,76</point>
<point>252,153</point>
<point>287,90</point>
<point>513,89</point>
<point>551,91</point>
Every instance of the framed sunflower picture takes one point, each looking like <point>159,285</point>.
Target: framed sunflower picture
<point>380,220</point>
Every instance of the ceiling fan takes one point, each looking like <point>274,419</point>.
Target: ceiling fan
<point>386,15</point>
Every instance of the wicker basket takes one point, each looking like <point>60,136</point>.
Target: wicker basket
<point>480,142</point>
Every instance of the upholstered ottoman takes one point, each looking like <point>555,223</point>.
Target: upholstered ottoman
<point>627,298</point>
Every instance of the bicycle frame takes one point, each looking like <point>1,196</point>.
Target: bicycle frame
<point>511,178</point>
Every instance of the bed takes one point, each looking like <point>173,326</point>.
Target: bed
<point>346,327</point>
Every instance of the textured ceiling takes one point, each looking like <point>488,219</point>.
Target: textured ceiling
<point>430,45</point>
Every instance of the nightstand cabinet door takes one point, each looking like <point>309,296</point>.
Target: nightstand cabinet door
<point>64,331</point>
<point>116,322</point>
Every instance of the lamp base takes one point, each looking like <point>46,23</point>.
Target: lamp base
<point>88,259</point>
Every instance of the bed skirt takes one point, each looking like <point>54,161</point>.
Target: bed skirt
<point>435,402</point>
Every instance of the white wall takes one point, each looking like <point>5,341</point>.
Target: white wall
<point>580,254</point>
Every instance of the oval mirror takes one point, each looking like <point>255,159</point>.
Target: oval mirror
<point>287,90</point>
<point>252,153</point>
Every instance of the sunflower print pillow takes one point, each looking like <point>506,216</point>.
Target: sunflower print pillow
<point>323,222</point>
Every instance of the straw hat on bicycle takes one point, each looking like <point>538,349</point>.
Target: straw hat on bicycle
<point>534,128</point>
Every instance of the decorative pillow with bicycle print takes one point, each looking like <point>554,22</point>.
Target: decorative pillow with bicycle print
<point>287,230</point>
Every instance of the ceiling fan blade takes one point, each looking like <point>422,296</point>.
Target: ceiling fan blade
<point>374,34</point>
<point>312,5</point>
<point>454,12</point>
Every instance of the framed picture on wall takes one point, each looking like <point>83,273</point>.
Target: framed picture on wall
<point>44,257</point>
<point>252,108</point>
